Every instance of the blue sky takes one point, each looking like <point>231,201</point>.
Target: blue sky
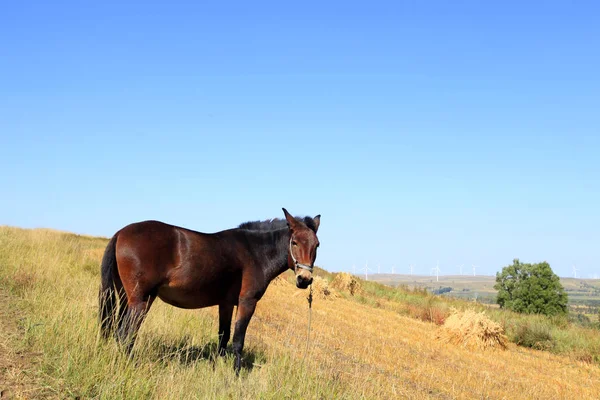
<point>464,132</point>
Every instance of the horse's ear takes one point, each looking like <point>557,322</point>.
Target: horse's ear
<point>317,220</point>
<point>290,220</point>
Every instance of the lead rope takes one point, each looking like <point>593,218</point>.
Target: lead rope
<point>310,299</point>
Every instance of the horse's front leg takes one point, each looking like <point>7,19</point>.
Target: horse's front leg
<point>225,313</point>
<point>246,308</point>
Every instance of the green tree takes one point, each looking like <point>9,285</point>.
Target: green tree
<point>530,289</point>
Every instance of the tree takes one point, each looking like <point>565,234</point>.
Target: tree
<point>530,289</point>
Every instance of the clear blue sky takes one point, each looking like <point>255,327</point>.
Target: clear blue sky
<point>464,132</point>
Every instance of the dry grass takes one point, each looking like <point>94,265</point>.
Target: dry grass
<point>14,360</point>
<point>355,350</point>
<point>472,330</point>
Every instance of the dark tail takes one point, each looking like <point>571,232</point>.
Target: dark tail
<point>111,284</point>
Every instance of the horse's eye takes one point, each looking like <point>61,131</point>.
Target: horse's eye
<point>294,243</point>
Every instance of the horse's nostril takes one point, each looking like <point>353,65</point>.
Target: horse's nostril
<point>302,282</point>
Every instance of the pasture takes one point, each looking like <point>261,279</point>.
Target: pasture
<point>374,344</point>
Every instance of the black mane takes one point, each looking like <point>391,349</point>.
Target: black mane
<point>275,224</point>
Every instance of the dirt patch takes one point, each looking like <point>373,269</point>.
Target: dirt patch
<point>21,281</point>
<point>16,381</point>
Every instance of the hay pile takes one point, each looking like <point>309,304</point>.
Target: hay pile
<point>280,281</point>
<point>472,330</point>
<point>346,282</point>
<point>321,290</point>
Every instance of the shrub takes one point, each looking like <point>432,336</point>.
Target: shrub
<point>534,335</point>
<point>581,320</point>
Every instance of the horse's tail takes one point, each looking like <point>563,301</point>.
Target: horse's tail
<point>110,285</point>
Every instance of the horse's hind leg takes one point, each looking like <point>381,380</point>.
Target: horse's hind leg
<point>225,314</point>
<point>132,320</point>
<point>122,309</point>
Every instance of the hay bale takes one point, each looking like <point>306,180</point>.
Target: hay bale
<point>321,290</point>
<point>347,283</point>
<point>280,281</point>
<point>472,330</point>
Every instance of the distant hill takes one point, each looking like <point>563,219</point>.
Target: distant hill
<point>468,287</point>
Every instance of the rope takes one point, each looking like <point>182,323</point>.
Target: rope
<point>310,299</point>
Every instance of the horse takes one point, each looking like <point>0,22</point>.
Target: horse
<point>190,269</point>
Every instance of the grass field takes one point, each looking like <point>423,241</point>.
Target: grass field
<point>380,343</point>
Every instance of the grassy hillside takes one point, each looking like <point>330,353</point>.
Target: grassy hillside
<point>466,287</point>
<point>379,343</point>
<point>582,292</point>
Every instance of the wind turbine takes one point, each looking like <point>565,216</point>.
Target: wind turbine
<point>411,268</point>
<point>393,268</point>
<point>475,269</point>
<point>367,269</point>
<point>575,271</point>
<point>437,272</point>
<point>461,267</point>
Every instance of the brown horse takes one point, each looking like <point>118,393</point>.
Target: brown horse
<point>189,269</point>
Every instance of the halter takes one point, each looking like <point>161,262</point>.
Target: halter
<point>298,264</point>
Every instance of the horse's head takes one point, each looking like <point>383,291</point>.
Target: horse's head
<point>303,247</point>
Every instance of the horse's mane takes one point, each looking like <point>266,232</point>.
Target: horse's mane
<point>275,224</point>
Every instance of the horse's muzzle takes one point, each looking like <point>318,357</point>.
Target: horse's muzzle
<point>303,283</point>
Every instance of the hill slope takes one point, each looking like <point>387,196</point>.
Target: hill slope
<point>360,346</point>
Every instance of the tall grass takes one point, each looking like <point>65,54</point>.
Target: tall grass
<point>52,276</point>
